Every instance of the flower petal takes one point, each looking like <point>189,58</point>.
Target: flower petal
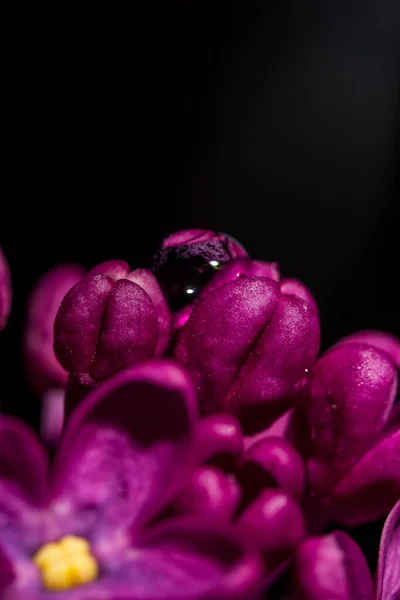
<point>278,428</point>
<point>23,483</point>
<point>218,440</point>
<point>379,339</point>
<point>210,492</point>
<point>331,567</point>
<point>297,288</point>
<point>78,322</point>
<point>388,572</point>
<point>23,460</point>
<point>276,366</point>
<point>128,332</point>
<point>238,268</point>
<point>274,523</point>
<point>122,455</point>
<point>192,559</point>
<point>149,284</point>
<point>116,269</point>
<point>221,332</point>
<point>271,462</point>
<point>372,486</point>
<point>344,410</point>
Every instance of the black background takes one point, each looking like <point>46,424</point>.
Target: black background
<point>276,122</point>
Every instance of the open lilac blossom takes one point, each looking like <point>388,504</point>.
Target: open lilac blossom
<point>249,345</point>
<point>331,567</point>
<point>348,430</point>
<point>87,529</point>
<point>5,290</point>
<point>112,319</point>
<point>46,376</point>
<point>188,259</point>
<point>388,571</point>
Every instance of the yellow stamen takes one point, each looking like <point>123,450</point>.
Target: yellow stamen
<point>66,564</point>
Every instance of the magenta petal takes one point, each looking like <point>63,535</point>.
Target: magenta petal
<point>276,365</point>
<point>331,567</point>
<point>5,290</point>
<point>388,572</point>
<point>271,462</point>
<point>125,446</point>
<point>220,334</point>
<point>211,493</point>
<point>194,560</point>
<point>218,439</point>
<point>351,393</point>
<point>187,236</point>
<point>42,366</point>
<point>23,483</point>
<point>237,268</point>
<point>116,269</point>
<point>273,522</point>
<point>297,288</point>
<point>23,461</point>
<point>129,330</point>
<point>384,341</point>
<point>372,486</point>
<point>148,282</point>
<point>78,322</point>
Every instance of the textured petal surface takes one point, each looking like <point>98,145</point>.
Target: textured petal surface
<point>388,572</point>
<point>78,322</point>
<point>277,363</point>
<point>271,462</point>
<point>331,568</point>
<point>42,366</point>
<point>344,411</point>
<point>238,268</point>
<point>379,339</point>
<point>372,486</point>
<point>5,290</point>
<point>274,522</point>
<point>210,492</point>
<point>297,288</point>
<point>149,284</point>
<point>128,332</point>
<point>125,446</point>
<point>221,332</point>
<point>116,269</point>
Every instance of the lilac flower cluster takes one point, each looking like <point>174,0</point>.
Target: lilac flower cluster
<point>201,449</point>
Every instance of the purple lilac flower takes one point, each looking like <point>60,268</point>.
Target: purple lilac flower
<point>123,456</point>
<point>5,290</point>
<point>112,319</point>
<point>45,374</point>
<point>249,343</point>
<point>347,427</point>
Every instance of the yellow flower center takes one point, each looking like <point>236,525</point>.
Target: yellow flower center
<point>66,564</point>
